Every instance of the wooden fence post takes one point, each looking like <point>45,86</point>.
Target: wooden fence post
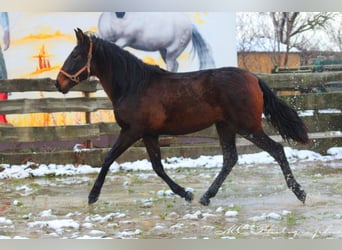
<point>88,143</point>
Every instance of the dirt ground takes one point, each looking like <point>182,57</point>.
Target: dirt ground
<point>253,203</point>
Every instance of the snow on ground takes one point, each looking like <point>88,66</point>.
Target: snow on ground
<point>51,223</point>
<point>59,225</point>
<point>32,169</point>
<point>321,111</point>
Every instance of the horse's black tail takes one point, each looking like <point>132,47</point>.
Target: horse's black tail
<point>202,50</point>
<point>283,117</point>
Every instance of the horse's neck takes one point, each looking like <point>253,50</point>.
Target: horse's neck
<point>112,91</point>
<point>105,76</point>
<point>110,85</point>
<point>115,79</point>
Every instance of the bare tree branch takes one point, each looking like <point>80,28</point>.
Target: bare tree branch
<point>317,21</point>
<point>290,24</point>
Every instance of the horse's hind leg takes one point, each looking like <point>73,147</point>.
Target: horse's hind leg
<point>170,56</point>
<point>153,150</point>
<point>171,63</point>
<point>276,150</point>
<point>227,141</point>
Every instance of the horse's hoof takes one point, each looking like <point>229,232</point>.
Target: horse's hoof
<point>188,196</point>
<point>92,199</point>
<point>301,195</point>
<point>204,201</point>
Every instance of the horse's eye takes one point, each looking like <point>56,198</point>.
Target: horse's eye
<point>75,55</point>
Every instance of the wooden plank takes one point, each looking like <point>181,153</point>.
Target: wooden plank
<point>51,105</point>
<point>107,128</point>
<point>299,80</point>
<point>275,81</point>
<point>46,134</point>
<point>314,101</point>
<point>92,104</point>
<point>43,84</point>
<point>94,157</point>
<point>316,123</point>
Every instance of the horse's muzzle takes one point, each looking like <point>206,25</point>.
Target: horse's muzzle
<point>58,87</point>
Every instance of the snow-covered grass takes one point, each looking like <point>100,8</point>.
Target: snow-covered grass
<point>321,111</point>
<point>59,225</point>
<point>162,214</point>
<point>53,169</point>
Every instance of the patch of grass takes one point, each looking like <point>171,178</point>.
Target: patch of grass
<point>35,185</point>
<point>235,208</point>
<point>16,182</point>
<point>134,179</point>
<point>169,205</point>
<point>292,220</point>
<point>18,203</point>
<point>162,216</point>
<point>51,175</point>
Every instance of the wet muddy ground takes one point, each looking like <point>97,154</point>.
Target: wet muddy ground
<point>253,203</point>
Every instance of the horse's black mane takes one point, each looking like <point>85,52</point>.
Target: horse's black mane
<point>129,73</point>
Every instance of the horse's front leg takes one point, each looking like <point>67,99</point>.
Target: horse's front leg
<point>153,150</point>
<point>124,141</point>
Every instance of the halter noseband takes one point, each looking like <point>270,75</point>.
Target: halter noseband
<point>75,77</point>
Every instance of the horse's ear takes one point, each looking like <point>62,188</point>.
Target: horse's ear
<point>81,37</point>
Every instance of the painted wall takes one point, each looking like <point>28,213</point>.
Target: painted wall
<point>30,32</point>
<point>41,41</point>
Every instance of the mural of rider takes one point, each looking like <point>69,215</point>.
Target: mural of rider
<point>4,22</point>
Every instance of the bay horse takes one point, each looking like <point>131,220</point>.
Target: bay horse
<point>166,32</point>
<point>149,101</point>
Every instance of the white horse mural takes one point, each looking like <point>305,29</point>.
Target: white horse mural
<point>166,32</point>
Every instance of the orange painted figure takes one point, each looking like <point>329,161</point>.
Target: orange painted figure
<point>3,72</point>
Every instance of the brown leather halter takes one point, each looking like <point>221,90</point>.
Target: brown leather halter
<point>75,77</point>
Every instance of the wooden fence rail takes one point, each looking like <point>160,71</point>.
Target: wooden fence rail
<point>54,105</point>
<point>274,81</point>
<point>91,104</point>
<point>43,84</point>
<point>318,124</point>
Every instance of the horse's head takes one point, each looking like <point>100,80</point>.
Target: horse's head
<point>76,67</point>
